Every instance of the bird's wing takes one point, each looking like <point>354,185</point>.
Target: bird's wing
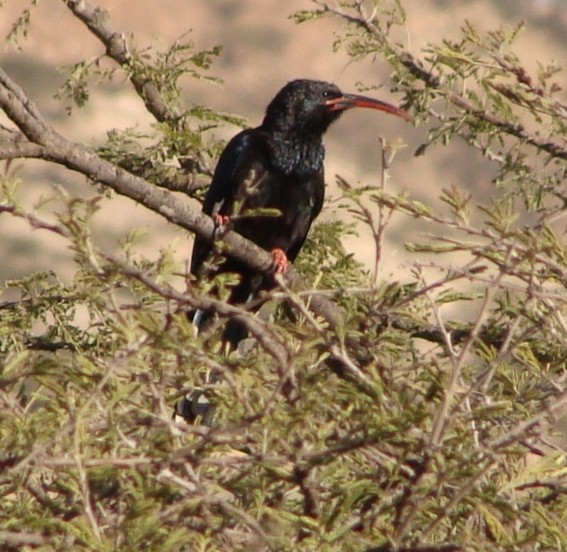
<point>316,189</point>
<point>234,162</point>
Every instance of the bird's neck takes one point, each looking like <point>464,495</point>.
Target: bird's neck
<point>299,155</point>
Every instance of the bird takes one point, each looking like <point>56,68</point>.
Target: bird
<point>269,186</point>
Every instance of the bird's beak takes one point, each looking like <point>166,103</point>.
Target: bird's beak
<point>348,101</point>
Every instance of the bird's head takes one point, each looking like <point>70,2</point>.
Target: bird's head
<point>309,107</point>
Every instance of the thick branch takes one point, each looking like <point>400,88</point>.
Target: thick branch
<point>50,146</point>
<point>14,145</point>
<point>23,112</point>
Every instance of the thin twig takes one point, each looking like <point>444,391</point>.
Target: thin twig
<point>416,68</point>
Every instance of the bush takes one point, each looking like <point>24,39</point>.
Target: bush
<point>361,419</point>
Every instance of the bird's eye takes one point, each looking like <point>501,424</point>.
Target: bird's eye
<point>327,94</point>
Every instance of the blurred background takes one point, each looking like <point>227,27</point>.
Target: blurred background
<point>263,49</point>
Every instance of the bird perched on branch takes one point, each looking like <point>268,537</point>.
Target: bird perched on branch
<point>269,184</point>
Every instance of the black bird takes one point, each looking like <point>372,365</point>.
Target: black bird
<point>276,166</point>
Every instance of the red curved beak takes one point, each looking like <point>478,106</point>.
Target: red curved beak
<point>348,101</point>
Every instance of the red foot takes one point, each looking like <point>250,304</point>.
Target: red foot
<point>221,220</point>
<point>280,261</point>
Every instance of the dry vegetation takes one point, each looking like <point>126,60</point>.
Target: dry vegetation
<point>409,413</point>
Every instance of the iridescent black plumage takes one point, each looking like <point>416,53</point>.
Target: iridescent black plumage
<point>277,166</point>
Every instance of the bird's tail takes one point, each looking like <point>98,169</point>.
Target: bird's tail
<point>234,332</point>
<point>195,405</point>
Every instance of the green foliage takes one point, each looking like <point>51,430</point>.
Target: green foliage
<point>181,133</point>
<point>424,420</point>
<point>20,27</point>
<point>325,262</point>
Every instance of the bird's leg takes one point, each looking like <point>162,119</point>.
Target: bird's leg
<point>280,262</point>
<point>221,220</point>
<point>221,225</point>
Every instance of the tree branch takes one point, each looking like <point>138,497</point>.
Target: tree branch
<point>14,145</point>
<point>96,19</point>
<point>416,69</point>
<point>78,157</point>
<point>44,143</point>
<point>140,74</point>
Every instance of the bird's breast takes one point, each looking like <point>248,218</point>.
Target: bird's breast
<point>297,158</point>
<point>293,201</point>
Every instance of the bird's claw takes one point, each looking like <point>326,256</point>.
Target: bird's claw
<point>279,261</point>
<point>221,225</point>
<point>221,220</point>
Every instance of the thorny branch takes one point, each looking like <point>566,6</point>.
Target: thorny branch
<point>406,483</point>
<point>416,68</point>
<point>97,21</point>
<point>44,143</point>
